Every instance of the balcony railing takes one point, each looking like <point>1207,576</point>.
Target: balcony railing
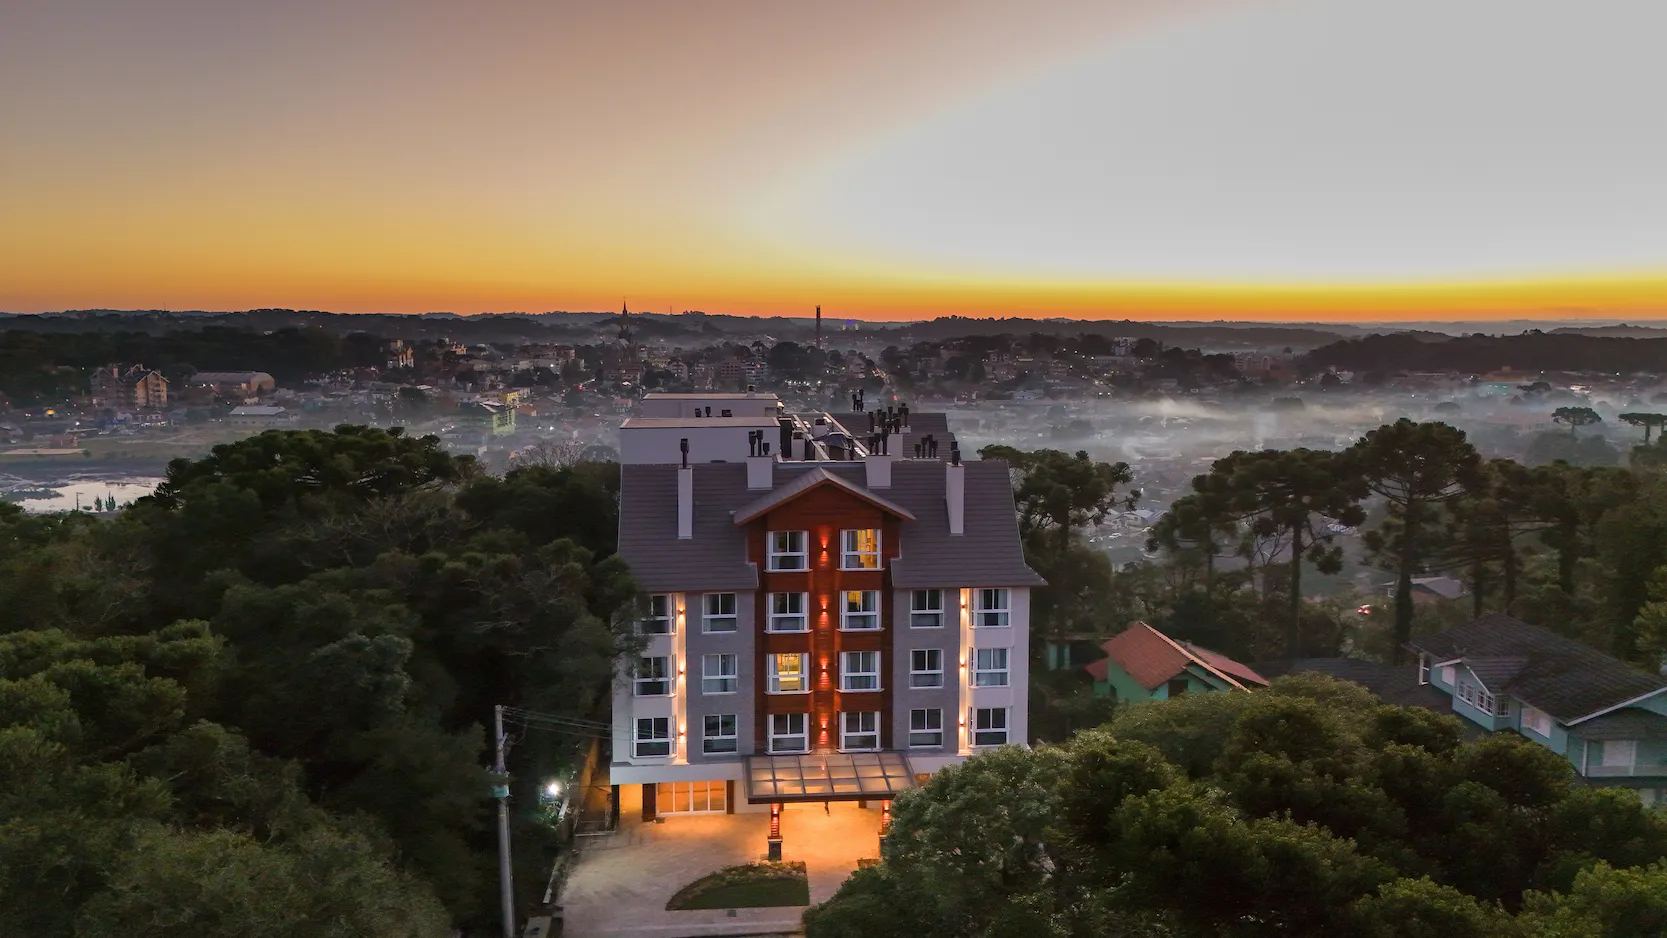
<point>1617,771</point>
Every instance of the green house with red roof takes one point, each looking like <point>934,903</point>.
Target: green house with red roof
<point>1142,663</point>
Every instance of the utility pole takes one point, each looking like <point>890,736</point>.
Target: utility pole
<point>506,881</point>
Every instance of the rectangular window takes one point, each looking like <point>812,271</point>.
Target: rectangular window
<point>1619,753</point>
<point>1537,720</point>
<point>992,610</point>
<point>926,729</point>
<point>788,673</point>
<point>926,667</point>
<point>1423,669</point>
<point>718,613</point>
<point>926,609</point>
<point>787,612</point>
<point>787,551</point>
<point>989,726</point>
<point>787,732</point>
<point>1476,697</point>
<point>990,667</point>
<point>653,677</point>
<point>859,670</point>
<point>719,735</point>
<point>859,731</point>
<point>653,737</point>
<point>719,673</point>
<point>861,549</point>
<point>1449,674</point>
<point>859,610</point>
<point>658,620</point>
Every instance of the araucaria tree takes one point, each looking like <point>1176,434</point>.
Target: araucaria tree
<point>1576,417</point>
<point>1299,493</point>
<point>1063,491</point>
<point>1414,467</point>
<point>1648,421</point>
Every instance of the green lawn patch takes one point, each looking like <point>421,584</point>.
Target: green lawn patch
<point>752,886</point>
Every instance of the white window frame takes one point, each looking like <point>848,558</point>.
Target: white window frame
<point>794,621</point>
<point>717,679</point>
<point>708,738</point>
<point>1614,749</point>
<point>775,678</point>
<point>1533,718</point>
<point>1423,670</point>
<point>782,556</point>
<point>852,556</point>
<point>865,737</point>
<point>922,614</point>
<point>661,619</point>
<point>851,673</point>
<point>924,724</point>
<point>718,621</point>
<point>803,733</point>
<point>990,667</point>
<point>653,739</point>
<point>644,686</point>
<point>925,668</point>
<point>1478,698</point>
<point>984,728</point>
<point>866,618</point>
<point>992,607</point>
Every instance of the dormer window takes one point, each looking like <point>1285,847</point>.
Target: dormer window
<point>787,551</point>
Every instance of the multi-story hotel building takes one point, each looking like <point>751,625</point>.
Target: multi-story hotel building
<point>838,605</point>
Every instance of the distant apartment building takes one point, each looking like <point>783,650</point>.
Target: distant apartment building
<point>837,605</point>
<point>132,386</point>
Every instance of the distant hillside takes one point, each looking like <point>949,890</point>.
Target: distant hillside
<point>1478,354</point>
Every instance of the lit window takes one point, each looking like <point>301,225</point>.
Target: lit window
<point>859,610</point>
<point>990,667</point>
<point>925,729</point>
<point>718,674</point>
<point>719,735</point>
<point>653,677</point>
<point>787,551</point>
<point>787,612</point>
<point>861,549</point>
<point>992,609</point>
<point>859,670</point>
<point>787,732</point>
<point>718,612</point>
<point>859,731</point>
<point>1449,675</point>
<point>658,620</point>
<point>926,667</point>
<point>1537,720</point>
<point>788,673</point>
<point>653,737</point>
<point>990,726</point>
<point>926,609</point>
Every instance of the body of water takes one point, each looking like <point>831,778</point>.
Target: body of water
<point>75,492</point>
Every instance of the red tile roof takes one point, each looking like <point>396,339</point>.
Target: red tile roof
<point>1152,658</point>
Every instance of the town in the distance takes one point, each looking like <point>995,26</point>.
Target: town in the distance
<point>612,624</point>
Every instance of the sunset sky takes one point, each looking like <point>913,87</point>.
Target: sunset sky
<point>1235,159</point>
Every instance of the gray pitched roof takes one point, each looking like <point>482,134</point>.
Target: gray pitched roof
<point>1496,673</point>
<point>1393,685</point>
<point>989,553</point>
<point>806,481</point>
<point>1561,676</point>
<point>714,559</point>
<point>1630,723</point>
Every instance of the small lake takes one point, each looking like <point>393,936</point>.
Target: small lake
<point>70,493</point>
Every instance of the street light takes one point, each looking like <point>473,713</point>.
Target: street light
<point>552,789</point>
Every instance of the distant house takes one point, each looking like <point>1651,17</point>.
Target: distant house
<point>1606,718</point>
<point>254,415</point>
<point>1142,663</point>
<point>487,416</point>
<point>1428,589</point>
<point>244,383</point>
<point>133,387</point>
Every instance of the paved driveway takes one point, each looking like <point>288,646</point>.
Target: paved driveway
<point>620,884</point>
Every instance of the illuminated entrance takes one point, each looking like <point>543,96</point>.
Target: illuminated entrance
<point>857,776</point>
